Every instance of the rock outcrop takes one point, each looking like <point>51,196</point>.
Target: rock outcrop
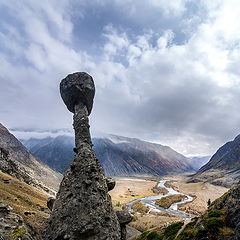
<point>124,217</point>
<point>12,224</point>
<point>83,208</point>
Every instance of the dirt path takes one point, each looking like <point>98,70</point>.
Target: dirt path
<point>186,221</point>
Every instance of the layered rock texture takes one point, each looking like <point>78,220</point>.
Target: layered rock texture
<point>16,161</point>
<point>83,208</point>
<point>224,166</point>
<point>119,156</point>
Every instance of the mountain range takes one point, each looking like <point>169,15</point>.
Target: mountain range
<point>119,156</point>
<point>224,166</point>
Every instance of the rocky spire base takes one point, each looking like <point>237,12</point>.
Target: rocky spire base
<point>83,208</point>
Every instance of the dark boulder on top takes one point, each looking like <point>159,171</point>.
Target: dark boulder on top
<point>75,88</point>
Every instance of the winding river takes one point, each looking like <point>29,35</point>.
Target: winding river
<point>173,209</point>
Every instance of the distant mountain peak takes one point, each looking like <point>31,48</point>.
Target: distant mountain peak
<point>119,156</point>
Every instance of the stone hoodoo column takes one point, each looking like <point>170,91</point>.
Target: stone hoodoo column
<point>83,208</point>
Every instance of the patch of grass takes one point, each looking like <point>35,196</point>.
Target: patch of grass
<point>159,190</point>
<point>154,236</point>
<point>143,235</point>
<point>24,198</point>
<point>150,236</point>
<point>214,223</point>
<point>215,213</point>
<point>171,231</point>
<point>140,207</point>
<point>167,201</point>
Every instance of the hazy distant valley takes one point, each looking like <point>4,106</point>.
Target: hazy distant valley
<point>138,166</point>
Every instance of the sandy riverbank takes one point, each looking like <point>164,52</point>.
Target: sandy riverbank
<point>202,192</point>
<point>128,189</point>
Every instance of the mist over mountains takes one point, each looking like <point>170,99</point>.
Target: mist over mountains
<point>119,156</point>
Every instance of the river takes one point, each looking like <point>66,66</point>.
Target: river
<point>173,209</point>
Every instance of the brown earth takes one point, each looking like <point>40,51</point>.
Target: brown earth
<point>25,200</point>
<point>143,222</point>
<point>128,189</point>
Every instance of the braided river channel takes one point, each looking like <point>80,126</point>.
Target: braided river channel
<point>173,209</point>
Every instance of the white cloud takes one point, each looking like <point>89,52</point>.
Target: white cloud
<point>148,85</point>
<point>168,8</point>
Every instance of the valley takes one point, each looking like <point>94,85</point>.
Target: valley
<point>30,203</point>
<point>131,189</point>
<point>155,183</point>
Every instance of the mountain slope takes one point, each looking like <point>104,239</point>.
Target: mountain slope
<point>27,202</point>
<point>119,156</point>
<point>18,162</point>
<point>224,166</point>
<point>55,152</point>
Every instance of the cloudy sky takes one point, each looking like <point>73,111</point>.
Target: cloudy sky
<point>165,71</point>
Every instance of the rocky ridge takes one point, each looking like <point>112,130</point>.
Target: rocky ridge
<point>16,161</point>
<point>224,166</point>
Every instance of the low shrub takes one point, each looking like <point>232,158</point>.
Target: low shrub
<point>154,236</point>
<point>143,235</point>
<point>201,233</point>
<point>214,223</point>
<point>188,232</point>
<point>171,231</point>
<point>215,213</point>
<point>150,236</point>
<point>140,207</point>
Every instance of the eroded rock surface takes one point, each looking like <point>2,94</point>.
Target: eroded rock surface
<point>83,208</point>
<point>10,222</point>
<point>124,217</point>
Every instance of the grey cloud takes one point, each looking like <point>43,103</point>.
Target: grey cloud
<point>152,82</point>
